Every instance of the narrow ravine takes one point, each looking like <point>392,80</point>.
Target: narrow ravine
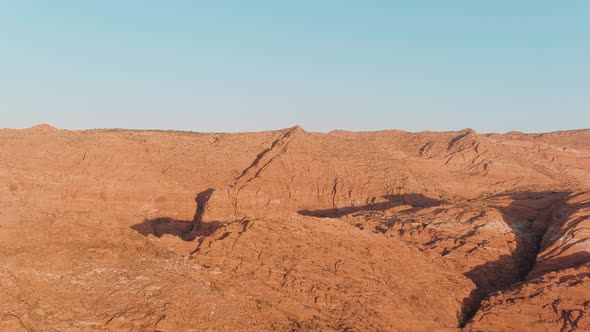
<point>527,252</point>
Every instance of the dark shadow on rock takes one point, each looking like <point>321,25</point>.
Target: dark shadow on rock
<point>564,262</point>
<point>187,230</point>
<point>529,215</point>
<point>414,200</point>
<point>180,228</point>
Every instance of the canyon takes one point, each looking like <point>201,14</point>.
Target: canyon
<point>289,230</point>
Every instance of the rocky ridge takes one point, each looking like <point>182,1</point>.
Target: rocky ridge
<point>296,230</point>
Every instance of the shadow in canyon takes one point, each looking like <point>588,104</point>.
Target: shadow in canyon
<point>413,200</point>
<point>564,262</point>
<point>529,216</point>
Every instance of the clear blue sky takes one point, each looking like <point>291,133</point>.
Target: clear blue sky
<point>323,64</point>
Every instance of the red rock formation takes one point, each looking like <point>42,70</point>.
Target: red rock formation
<point>294,230</point>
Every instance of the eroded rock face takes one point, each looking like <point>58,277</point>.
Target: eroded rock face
<point>290,230</point>
<point>555,294</point>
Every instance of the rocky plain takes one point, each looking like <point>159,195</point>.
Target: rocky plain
<point>289,230</point>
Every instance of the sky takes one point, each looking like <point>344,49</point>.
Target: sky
<point>231,66</point>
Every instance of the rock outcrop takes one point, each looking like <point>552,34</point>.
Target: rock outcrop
<point>293,230</point>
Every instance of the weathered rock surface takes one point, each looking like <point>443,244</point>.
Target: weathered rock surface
<point>291,230</point>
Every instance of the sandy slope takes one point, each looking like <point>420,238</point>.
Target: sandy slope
<point>383,231</point>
